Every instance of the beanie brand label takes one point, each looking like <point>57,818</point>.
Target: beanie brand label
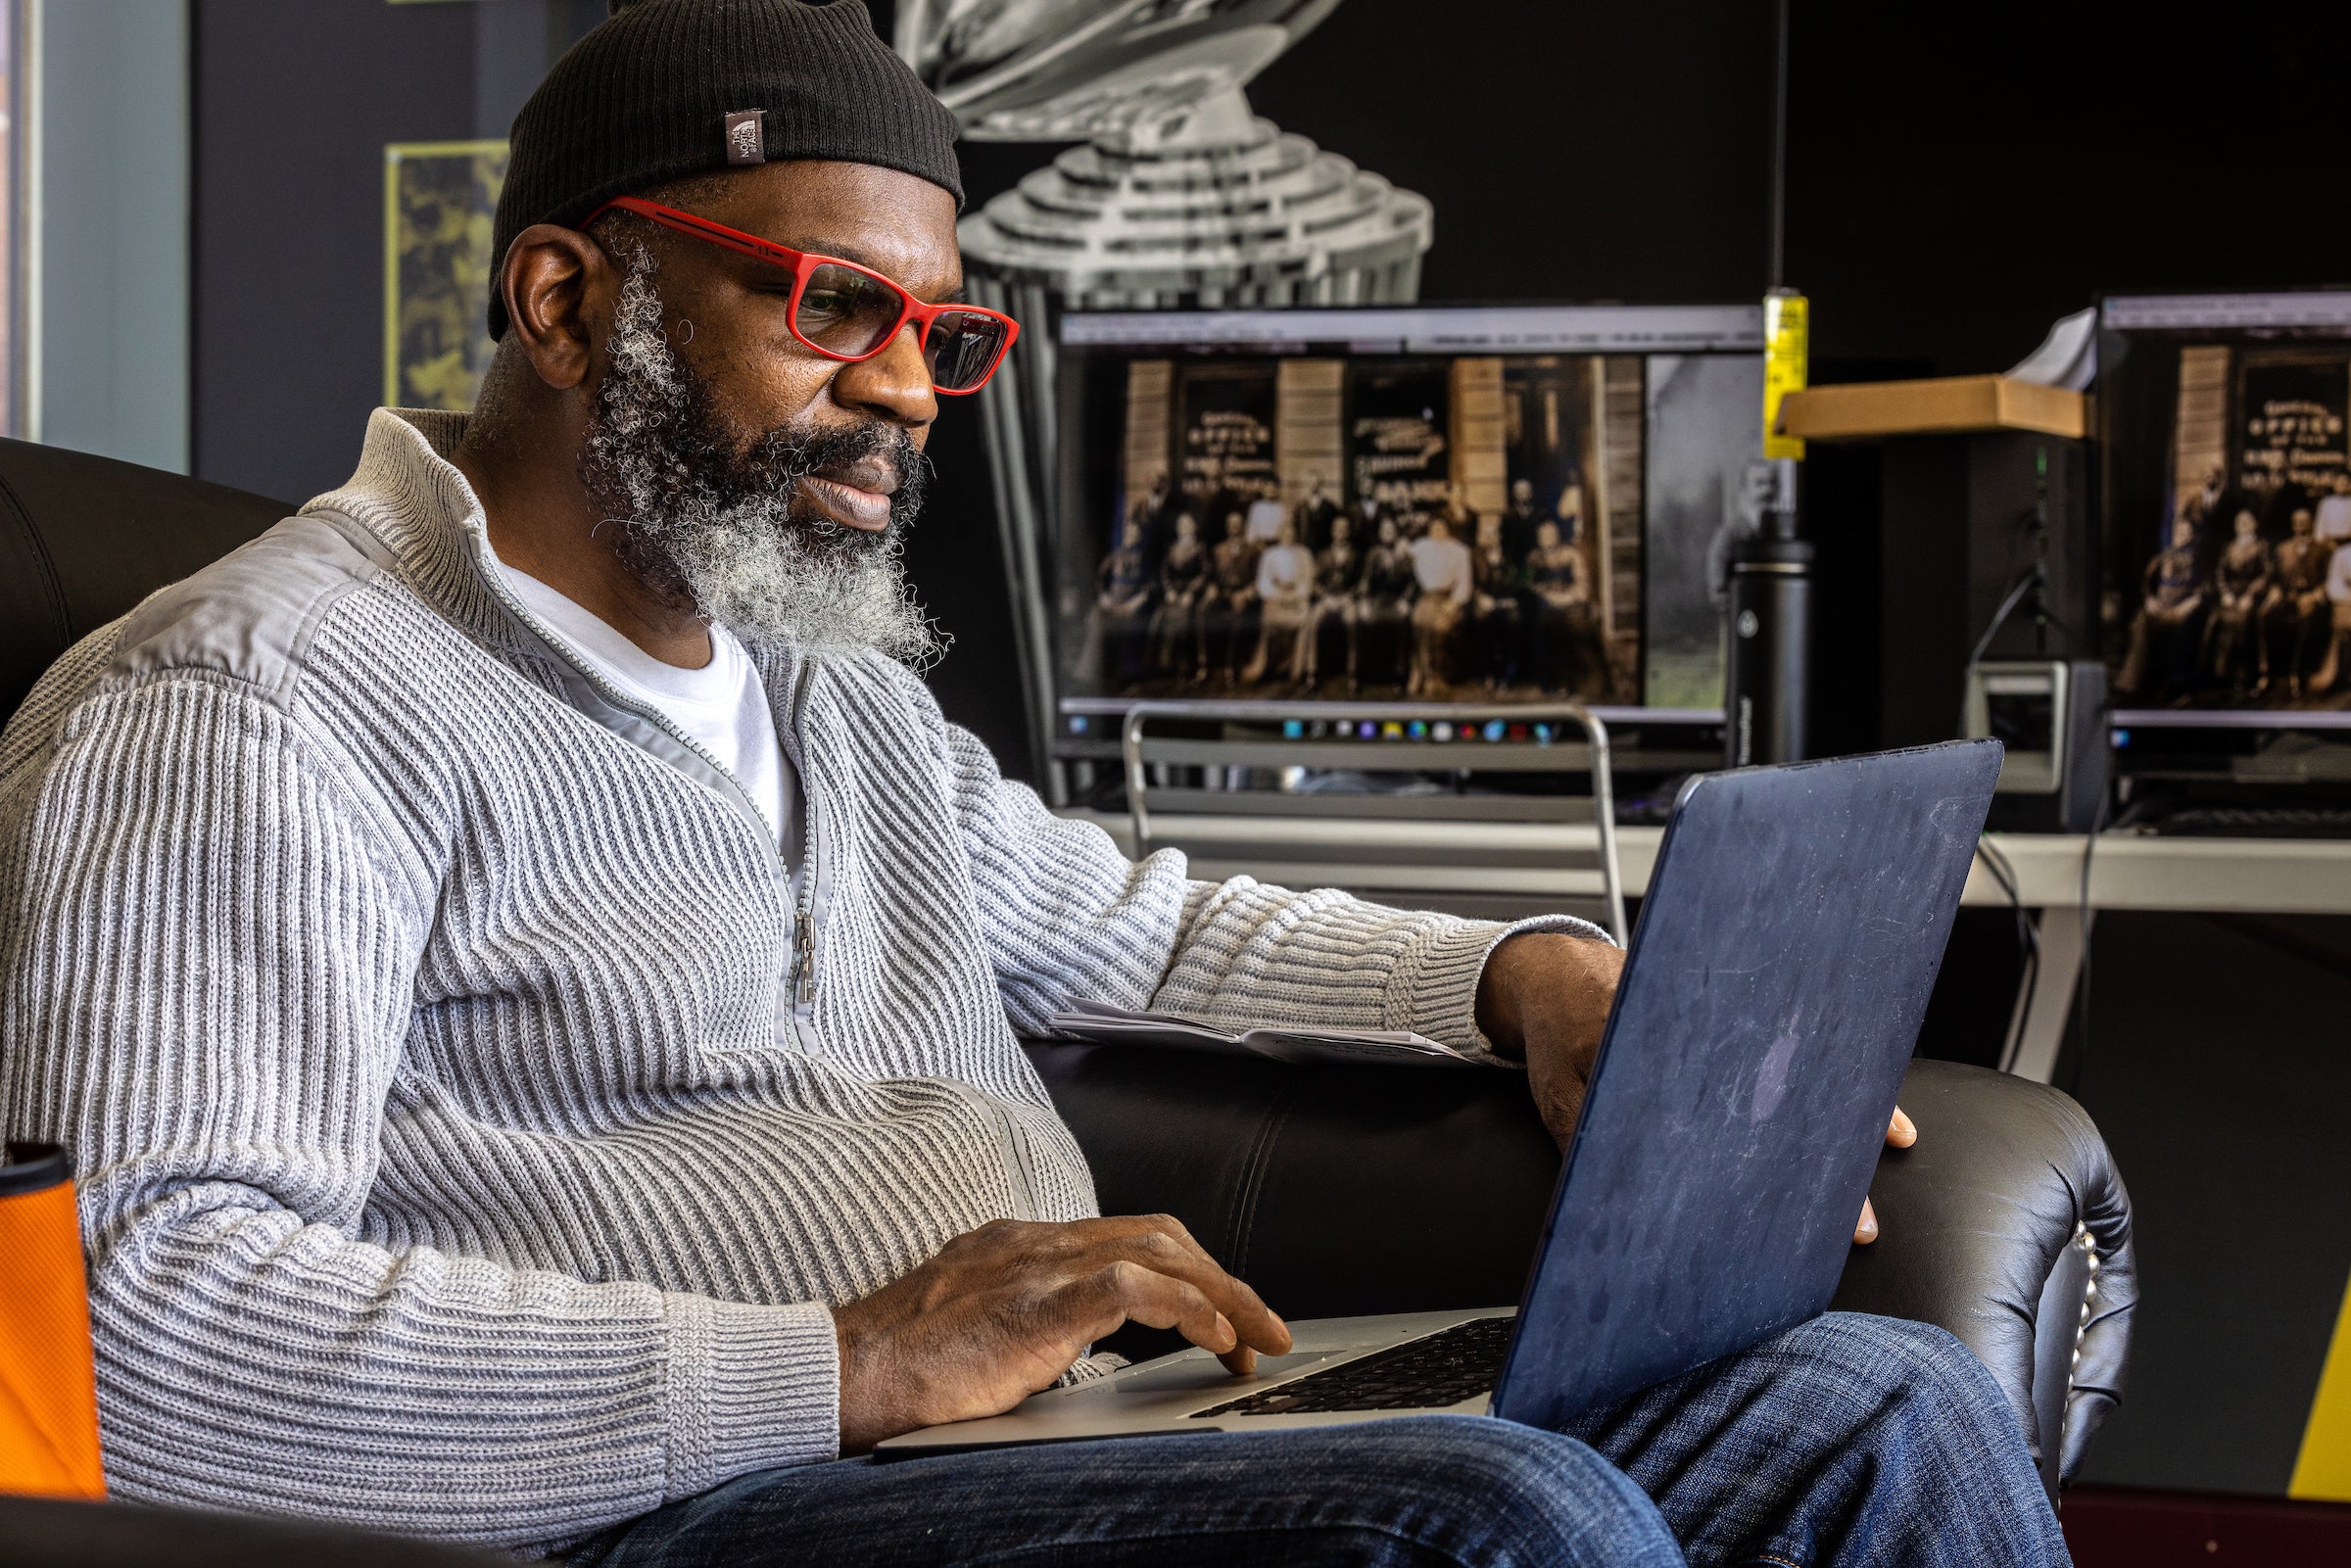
<point>746,136</point>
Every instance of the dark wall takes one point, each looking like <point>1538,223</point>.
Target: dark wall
<point>1960,177</point>
<point>294,101</point>
<point>2215,1069</point>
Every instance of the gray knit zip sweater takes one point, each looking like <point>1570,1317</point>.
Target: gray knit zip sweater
<point>474,1120</point>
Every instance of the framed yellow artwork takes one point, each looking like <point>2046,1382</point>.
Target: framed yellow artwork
<point>440,199</point>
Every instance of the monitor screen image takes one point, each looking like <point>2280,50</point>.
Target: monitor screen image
<point>1422,503</point>
<point>2226,538</point>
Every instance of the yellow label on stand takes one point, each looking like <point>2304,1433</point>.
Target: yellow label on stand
<point>1787,357</point>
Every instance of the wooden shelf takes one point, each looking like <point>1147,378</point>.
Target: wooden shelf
<point>1950,406</point>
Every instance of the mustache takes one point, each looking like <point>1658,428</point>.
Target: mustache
<point>870,456</point>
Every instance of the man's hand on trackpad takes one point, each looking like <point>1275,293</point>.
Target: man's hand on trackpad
<point>1544,1000</point>
<point>1003,1310</point>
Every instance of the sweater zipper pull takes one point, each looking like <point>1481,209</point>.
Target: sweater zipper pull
<point>806,925</point>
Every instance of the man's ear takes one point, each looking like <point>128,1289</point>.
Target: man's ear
<point>556,282</point>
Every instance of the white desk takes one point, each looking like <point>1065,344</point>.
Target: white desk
<point>2125,871</point>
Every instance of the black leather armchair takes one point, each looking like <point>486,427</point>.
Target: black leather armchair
<point>1343,1190</point>
<point>83,539</point>
<point>1335,1190</point>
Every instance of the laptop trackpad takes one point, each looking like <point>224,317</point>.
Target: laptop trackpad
<point>1197,1369</point>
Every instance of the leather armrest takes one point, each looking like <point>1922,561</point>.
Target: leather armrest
<point>1343,1190</point>
<point>48,1533</point>
<point>2008,1225</point>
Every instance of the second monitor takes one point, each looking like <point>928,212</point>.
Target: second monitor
<point>1422,502</point>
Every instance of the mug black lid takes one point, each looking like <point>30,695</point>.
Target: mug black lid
<point>31,1166</point>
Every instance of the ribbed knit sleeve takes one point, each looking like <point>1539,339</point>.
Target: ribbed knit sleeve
<point>208,970</point>
<point>1069,916</point>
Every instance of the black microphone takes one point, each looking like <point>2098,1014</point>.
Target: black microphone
<point>1771,625</point>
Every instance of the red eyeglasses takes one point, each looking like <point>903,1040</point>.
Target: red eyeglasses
<point>850,313</point>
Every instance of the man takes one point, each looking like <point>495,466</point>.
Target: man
<point>1267,516</point>
<point>1563,642</point>
<point>2161,659</point>
<point>1121,607</point>
<point>1285,594</point>
<point>2338,668</point>
<point>1338,568</point>
<point>2230,650</point>
<point>1441,567</point>
<point>1176,649</point>
<point>1316,513</point>
<point>1232,598</point>
<point>2210,497</point>
<point>1495,610</point>
<point>2294,617</point>
<point>1381,650</point>
<point>1156,510</point>
<point>531,981</point>
<point>1518,524</point>
<point>2333,521</point>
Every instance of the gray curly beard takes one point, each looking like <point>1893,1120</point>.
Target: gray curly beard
<point>704,518</point>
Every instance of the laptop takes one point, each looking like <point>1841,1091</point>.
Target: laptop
<point>1793,929</point>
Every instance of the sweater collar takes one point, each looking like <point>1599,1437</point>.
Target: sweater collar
<point>413,498</point>
<point>409,494</point>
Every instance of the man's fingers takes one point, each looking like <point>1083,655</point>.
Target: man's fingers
<point>1865,1230</point>
<point>1176,1255</point>
<point>1561,1102</point>
<point>1901,1132</point>
<point>1159,1301</point>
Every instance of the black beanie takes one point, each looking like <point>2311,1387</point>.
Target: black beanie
<point>665,88</point>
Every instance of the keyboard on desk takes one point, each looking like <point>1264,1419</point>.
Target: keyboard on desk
<point>2255,821</point>
<point>1444,1368</point>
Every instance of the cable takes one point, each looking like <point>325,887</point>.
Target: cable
<point>2025,582</point>
<point>2028,942</point>
<point>2089,926</point>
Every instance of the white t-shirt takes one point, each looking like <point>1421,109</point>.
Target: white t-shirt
<point>723,705</point>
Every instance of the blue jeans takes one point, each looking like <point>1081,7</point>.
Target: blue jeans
<point>1847,1440</point>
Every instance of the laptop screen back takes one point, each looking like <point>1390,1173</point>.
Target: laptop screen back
<point>1791,933</point>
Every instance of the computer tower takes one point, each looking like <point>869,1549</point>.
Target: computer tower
<point>2050,716</point>
<point>1966,520</point>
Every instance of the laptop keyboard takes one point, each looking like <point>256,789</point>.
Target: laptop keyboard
<point>1444,1368</point>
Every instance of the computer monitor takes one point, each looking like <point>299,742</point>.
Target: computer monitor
<point>1426,502</point>
<point>2225,424</point>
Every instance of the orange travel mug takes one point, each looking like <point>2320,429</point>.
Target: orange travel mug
<point>48,1391</point>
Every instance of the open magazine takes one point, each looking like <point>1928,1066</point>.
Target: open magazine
<point>1104,1024</point>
